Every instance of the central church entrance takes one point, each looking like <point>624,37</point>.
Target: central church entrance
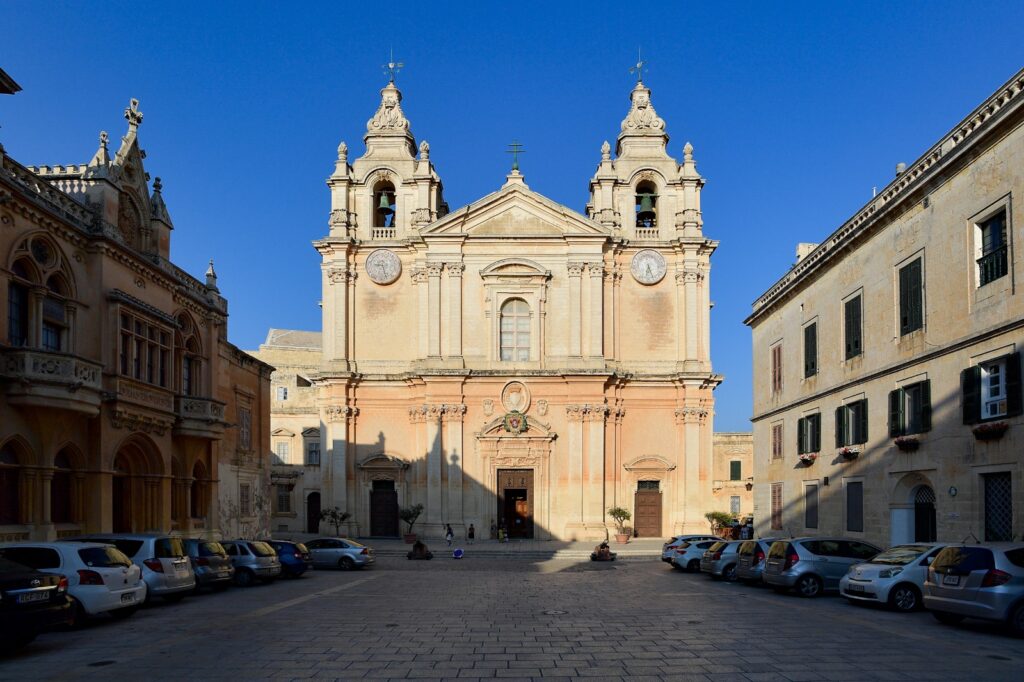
<point>515,502</point>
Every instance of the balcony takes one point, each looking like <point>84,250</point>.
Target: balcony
<point>55,380</point>
<point>199,417</point>
<point>992,266</point>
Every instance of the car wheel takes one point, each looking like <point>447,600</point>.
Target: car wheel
<point>1016,621</point>
<point>729,573</point>
<point>121,614</point>
<point>693,566</point>
<point>346,563</point>
<point>904,598</point>
<point>244,578</point>
<point>809,586</point>
<point>947,618</point>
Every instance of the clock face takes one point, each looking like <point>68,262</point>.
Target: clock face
<point>648,266</point>
<point>383,266</point>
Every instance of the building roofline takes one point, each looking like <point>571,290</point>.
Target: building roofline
<point>1005,100</point>
<point>8,86</point>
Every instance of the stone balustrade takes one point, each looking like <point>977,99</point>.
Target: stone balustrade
<point>43,366</point>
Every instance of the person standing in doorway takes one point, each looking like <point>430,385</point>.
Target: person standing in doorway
<point>471,534</point>
<point>449,535</point>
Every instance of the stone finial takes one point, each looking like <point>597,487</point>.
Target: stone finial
<point>641,117</point>
<point>424,151</point>
<point>343,152</point>
<point>389,116</point>
<point>606,151</point>
<point>687,152</point>
<point>133,115</point>
<point>157,186</point>
<point>158,209</point>
<point>211,278</point>
<point>102,155</point>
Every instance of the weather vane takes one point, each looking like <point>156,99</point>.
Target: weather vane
<point>639,68</point>
<point>392,68</point>
<point>515,149</point>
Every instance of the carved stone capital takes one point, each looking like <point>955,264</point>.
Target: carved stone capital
<point>455,269</point>
<point>575,269</point>
<point>595,269</point>
<point>418,414</point>
<point>419,275</point>
<point>337,275</point>
<point>574,413</point>
<point>690,415</point>
<point>339,413</point>
<point>595,413</point>
<point>454,412</point>
<point>434,269</point>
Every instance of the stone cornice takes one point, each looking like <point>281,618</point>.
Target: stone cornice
<point>1006,101</point>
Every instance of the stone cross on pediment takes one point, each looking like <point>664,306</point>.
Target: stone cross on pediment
<point>133,115</point>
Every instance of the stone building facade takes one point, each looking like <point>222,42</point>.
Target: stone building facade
<point>515,362</point>
<point>732,484</point>
<point>887,394</point>
<point>123,407</point>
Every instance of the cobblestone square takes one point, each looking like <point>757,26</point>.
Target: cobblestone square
<point>518,619</point>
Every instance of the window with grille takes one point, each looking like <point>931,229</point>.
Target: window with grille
<point>811,505</point>
<point>284,499</point>
<point>998,507</point>
<point>852,315</point>
<point>855,507</point>
<point>735,470</point>
<point>245,428</point>
<point>911,298</point>
<point>648,485</point>
<point>776,514</point>
<point>515,331</point>
<point>776,368</point>
<point>244,499</point>
<point>734,505</point>
<point>993,263</point>
<point>810,350</point>
<point>852,423</point>
<point>777,444</point>
<point>313,453</point>
<point>910,409</point>
<point>992,389</point>
<point>808,434</point>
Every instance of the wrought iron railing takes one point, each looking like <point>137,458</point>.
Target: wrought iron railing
<point>992,265</point>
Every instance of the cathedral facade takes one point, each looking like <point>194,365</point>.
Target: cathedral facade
<point>513,363</point>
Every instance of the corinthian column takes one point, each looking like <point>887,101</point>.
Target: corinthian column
<point>334,464</point>
<point>434,310</point>
<point>690,279</point>
<point>593,483</point>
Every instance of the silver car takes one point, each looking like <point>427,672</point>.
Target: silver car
<point>668,550</point>
<point>813,565</point>
<point>894,577</point>
<point>165,564</point>
<point>720,560</point>
<point>978,581</point>
<point>688,555</point>
<point>252,561</point>
<point>339,553</point>
<point>751,556</point>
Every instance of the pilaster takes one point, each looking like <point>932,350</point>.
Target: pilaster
<point>334,460</point>
<point>455,271</point>
<point>575,309</point>
<point>596,272</point>
<point>434,310</point>
<point>452,417</point>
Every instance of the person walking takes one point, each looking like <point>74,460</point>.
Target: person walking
<point>471,534</point>
<point>449,534</point>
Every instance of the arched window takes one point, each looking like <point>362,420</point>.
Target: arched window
<point>62,502</point>
<point>190,356</point>
<point>17,302</point>
<point>10,497</point>
<point>385,203</point>
<point>646,204</point>
<point>55,326</point>
<point>515,330</point>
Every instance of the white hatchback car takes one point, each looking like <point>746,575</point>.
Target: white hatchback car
<point>101,578</point>
<point>688,555</point>
<point>668,550</point>
<point>895,577</point>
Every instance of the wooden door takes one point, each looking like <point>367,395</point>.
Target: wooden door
<point>515,501</point>
<point>384,513</point>
<point>647,513</point>
<point>313,513</point>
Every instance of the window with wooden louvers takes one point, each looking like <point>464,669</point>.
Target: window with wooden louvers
<point>810,350</point>
<point>776,506</point>
<point>911,308</point>
<point>852,423</point>
<point>852,313</point>
<point>808,436</point>
<point>855,507</point>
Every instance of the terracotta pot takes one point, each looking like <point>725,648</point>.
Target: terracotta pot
<point>622,538</point>
<point>410,538</point>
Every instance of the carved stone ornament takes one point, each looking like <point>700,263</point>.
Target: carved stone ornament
<point>515,397</point>
<point>383,266</point>
<point>488,407</point>
<point>641,116</point>
<point>389,116</point>
<point>514,423</point>
<point>648,266</point>
<point>542,407</point>
<point>337,413</point>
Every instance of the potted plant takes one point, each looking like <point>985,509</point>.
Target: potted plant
<point>620,516</point>
<point>907,443</point>
<point>990,431</point>
<point>808,458</point>
<point>336,518</point>
<point>719,521</point>
<point>409,515</point>
<point>849,453</point>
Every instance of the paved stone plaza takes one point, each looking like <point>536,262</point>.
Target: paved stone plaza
<point>484,618</point>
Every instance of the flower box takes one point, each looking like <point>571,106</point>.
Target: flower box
<point>990,431</point>
<point>808,458</point>
<point>907,444</point>
<point>848,453</point>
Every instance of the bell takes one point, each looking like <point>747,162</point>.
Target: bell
<point>646,203</point>
<point>385,203</point>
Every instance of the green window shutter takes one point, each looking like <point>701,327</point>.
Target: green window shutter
<point>911,314</point>
<point>735,471</point>
<point>810,350</point>
<point>862,422</point>
<point>896,413</point>
<point>815,427</point>
<point>853,335</point>
<point>800,435</point>
<point>970,388</point>
<point>1014,398</point>
<point>926,405</point>
<point>840,426</point>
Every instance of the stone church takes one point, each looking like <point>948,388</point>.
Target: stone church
<point>512,363</point>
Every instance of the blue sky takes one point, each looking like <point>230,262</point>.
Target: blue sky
<point>795,112</point>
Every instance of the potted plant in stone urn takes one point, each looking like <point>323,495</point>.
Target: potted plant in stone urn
<point>409,515</point>
<point>620,516</point>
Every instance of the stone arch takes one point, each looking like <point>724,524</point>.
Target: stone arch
<point>136,499</point>
<point>513,266</point>
<point>16,456</point>
<point>67,485</point>
<point>649,174</point>
<point>909,518</point>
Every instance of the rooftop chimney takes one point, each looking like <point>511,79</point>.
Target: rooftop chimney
<point>803,249</point>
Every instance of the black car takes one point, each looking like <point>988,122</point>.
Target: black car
<point>294,556</point>
<point>30,601</point>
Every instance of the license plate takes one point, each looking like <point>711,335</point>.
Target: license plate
<point>127,597</point>
<point>950,580</point>
<point>33,596</point>
<point>854,588</point>
<point>180,570</point>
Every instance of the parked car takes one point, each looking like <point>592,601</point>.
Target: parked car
<point>165,565</point>
<point>895,577</point>
<point>688,554</point>
<point>294,557</point>
<point>751,556</point>
<point>30,602</point>
<point>668,550</point>
<point>813,565</point>
<point>978,581</point>
<point>253,560</point>
<point>339,552</point>
<point>720,560</point>
<point>101,578</point>
<point>210,563</point>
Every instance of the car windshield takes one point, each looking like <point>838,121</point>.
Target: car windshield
<point>169,548</point>
<point>104,557</point>
<point>262,549</point>
<point>901,555</point>
<point>211,549</point>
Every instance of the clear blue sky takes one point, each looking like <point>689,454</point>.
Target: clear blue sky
<point>795,111</point>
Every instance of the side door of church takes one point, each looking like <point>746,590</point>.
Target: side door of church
<point>647,510</point>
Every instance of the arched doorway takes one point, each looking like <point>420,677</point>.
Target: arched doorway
<point>65,487</point>
<point>12,459</point>
<point>135,497</point>
<point>924,514</point>
<point>313,513</point>
<point>121,496</point>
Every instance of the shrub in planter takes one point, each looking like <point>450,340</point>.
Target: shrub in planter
<point>620,516</point>
<point>990,431</point>
<point>907,443</point>
<point>409,515</point>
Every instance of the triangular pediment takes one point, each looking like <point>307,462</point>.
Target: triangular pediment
<point>515,211</point>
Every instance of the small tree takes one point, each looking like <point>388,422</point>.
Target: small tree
<point>335,517</point>
<point>620,516</point>
<point>718,520</point>
<point>410,514</point>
